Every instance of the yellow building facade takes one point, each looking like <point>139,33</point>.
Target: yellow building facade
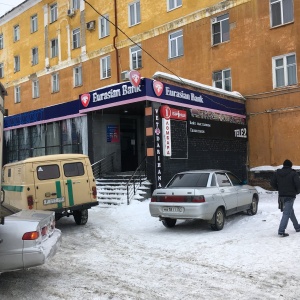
<point>68,48</point>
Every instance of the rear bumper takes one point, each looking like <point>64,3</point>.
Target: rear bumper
<point>31,256</point>
<point>45,251</point>
<point>204,211</point>
<point>76,207</point>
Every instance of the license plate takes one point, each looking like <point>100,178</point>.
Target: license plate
<point>176,209</point>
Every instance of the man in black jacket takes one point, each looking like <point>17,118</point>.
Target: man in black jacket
<point>286,181</point>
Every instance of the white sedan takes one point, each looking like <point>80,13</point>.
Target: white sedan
<point>28,238</point>
<point>204,194</point>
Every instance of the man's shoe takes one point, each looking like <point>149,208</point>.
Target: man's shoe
<point>283,234</point>
<point>298,230</point>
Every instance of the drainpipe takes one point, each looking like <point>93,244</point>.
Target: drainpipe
<point>115,37</point>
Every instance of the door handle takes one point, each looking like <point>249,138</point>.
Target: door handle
<point>222,190</point>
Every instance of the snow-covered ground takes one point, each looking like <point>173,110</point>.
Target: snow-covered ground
<point>124,253</point>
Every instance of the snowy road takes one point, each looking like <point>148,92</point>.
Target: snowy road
<point>123,253</point>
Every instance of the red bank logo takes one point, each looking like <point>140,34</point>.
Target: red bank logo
<point>85,99</point>
<point>158,88</point>
<point>165,112</point>
<point>135,78</point>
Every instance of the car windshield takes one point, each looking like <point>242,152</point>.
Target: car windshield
<point>189,180</point>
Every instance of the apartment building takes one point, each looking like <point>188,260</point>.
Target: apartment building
<point>63,62</point>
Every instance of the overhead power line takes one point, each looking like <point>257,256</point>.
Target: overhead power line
<point>133,41</point>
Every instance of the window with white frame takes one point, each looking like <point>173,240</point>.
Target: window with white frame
<point>35,56</point>
<point>17,94</point>
<point>172,4</point>
<point>53,12</point>
<point>105,67</point>
<point>76,38</point>
<point>77,74</point>
<point>104,26</point>
<point>17,63</point>
<point>175,44</point>
<point>1,70</point>
<point>35,88</point>
<point>222,79</point>
<point>55,83</point>
<point>76,4</point>
<point>134,13</point>
<point>135,57</point>
<point>54,47</point>
<point>284,70</point>
<point>1,41</point>
<point>282,12</point>
<point>220,29</point>
<point>16,33</point>
<point>33,23</point>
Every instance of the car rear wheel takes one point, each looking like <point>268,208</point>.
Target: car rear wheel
<point>253,208</point>
<point>80,216</point>
<point>167,222</point>
<point>219,219</point>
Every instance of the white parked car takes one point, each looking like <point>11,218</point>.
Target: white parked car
<point>205,194</point>
<point>28,238</point>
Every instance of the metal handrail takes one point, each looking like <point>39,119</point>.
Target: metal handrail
<point>135,180</point>
<point>104,165</point>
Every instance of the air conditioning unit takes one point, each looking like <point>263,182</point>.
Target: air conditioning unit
<point>91,25</point>
<point>125,75</point>
<point>71,12</point>
<point>214,20</point>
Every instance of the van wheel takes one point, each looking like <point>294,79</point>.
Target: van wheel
<point>169,223</point>
<point>80,216</point>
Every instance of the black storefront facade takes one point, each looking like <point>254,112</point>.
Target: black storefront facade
<point>174,124</point>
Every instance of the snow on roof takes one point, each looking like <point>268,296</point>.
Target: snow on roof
<point>198,85</point>
<point>270,168</point>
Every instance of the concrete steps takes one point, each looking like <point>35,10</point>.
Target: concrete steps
<point>111,189</point>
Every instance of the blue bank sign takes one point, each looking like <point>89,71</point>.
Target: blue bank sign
<point>153,90</point>
<point>126,93</point>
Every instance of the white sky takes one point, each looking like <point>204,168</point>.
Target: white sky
<point>6,5</point>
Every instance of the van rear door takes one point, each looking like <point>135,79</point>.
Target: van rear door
<point>77,182</point>
<point>50,191</point>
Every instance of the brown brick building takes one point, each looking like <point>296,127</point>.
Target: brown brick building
<point>51,52</point>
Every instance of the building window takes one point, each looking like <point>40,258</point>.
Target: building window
<point>55,83</point>
<point>282,12</point>
<point>53,12</point>
<point>104,26</point>
<point>34,23</point>
<point>35,56</point>
<point>1,41</point>
<point>284,70</point>
<point>135,57</point>
<point>76,4</point>
<point>222,79</point>
<point>175,44</point>
<point>105,67</point>
<point>77,73</point>
<point>54,47</point>
<point>220,29</point>
<point>35,88</point>
<point>1,70</point>
<point>17,94</point>
<point>134,13</point>
<point>16,33</point>
<point>172,4</point>
<point>76,38</point>
<point>17,63</point>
